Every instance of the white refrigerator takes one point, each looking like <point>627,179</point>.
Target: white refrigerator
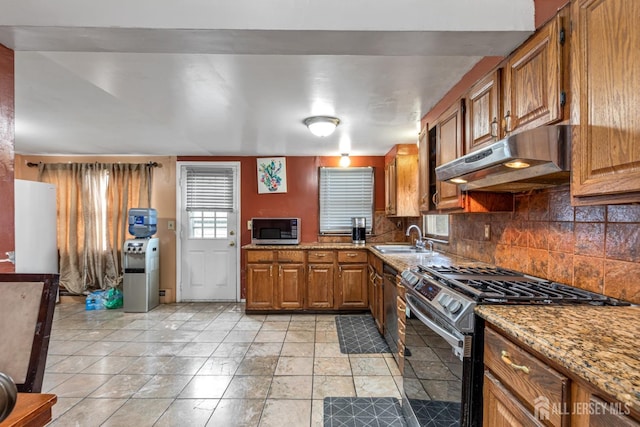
<point>35,227</point>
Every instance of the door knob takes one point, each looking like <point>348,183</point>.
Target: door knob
<point>232,244</point>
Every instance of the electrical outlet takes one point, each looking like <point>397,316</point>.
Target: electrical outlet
<point>487,232</point>
<point>249,224</point>
<point>171,224</point>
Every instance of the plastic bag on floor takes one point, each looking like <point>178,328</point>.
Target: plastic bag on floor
<point>95,300</point>
<point>113,298</point>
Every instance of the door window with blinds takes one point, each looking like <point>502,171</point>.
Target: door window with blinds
<point>345,193</point>
<point>210,199</point>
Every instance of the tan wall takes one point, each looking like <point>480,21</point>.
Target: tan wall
<point>163,199</point>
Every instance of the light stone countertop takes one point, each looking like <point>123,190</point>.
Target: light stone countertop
<point>600,345</point>
<point>399,262</point>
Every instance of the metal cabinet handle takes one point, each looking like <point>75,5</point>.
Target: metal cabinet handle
<point>504,355</point>
<point>271,271</point>
<point>508,123</point>
<point>435,198</point>
<point>351,255</point>
<point>494,127</point>
<point>321,255</point>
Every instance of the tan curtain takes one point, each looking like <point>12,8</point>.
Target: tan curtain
<point>93,201</point>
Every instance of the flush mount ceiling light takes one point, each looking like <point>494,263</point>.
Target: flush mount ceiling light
<point>321,125</point>
<point>345,161</point>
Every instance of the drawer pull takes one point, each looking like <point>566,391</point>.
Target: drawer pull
<point>351,255</point>
<point>320,255</point>
<point>506,359</point>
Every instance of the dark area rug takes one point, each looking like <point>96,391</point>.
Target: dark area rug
<point>358,334</point>
<point>363,411</point>
<point>431,413</point>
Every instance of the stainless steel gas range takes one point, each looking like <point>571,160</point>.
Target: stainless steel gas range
<point>443,370</point>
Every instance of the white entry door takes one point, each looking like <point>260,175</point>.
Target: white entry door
<point>208,245</point>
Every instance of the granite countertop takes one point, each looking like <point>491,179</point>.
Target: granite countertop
<point>600,345</point>
<point>398,261</point>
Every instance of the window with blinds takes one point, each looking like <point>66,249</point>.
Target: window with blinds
<point>209,193</point>
<point>345,193</point>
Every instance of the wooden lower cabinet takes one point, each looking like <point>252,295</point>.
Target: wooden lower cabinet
<point>307,280</point>
<point>500,408</point>
<point>521,389</point>
<point>376,294</point>
<point>320,284</point>
<point>261,287</point>
<point>352,286</point>
<point>291,283</point>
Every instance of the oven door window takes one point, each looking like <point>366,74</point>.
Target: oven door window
<point>433,377</point>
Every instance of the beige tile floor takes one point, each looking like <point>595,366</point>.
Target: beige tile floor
<point>204,364</point>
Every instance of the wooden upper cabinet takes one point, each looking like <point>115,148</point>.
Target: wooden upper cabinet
<point>605,84</point>
<point>484,113</point>
<point>449,146</point>
<point>401,181</point>
<point>390,187</point>
<point>533,81</point>
<point>423,170</point>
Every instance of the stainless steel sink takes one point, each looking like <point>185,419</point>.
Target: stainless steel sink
<point>398,249</point>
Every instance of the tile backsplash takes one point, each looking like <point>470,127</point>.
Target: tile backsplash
<point>591,247</point>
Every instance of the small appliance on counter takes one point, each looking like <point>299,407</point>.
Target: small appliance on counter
<point>275,231</point>
<point>358,230</point>
<point>141,289</point>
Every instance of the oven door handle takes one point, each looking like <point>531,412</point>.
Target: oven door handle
<point>453,340</point>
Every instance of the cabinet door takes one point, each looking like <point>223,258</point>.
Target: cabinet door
<point>379,301</point>
<point>407,184</point>
<point>533,81</point>
<point>352,286</point>
<point>449,147</point>
<point>320,282</point>
<point>390,187</point>
<point>290,286</point>
<point>260,286</point>
<point>606,95</point>
<point>501,409</point>
<point>483,112</point>
<point>423,170</point>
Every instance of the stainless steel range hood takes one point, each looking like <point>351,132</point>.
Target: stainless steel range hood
<point>537,158</point>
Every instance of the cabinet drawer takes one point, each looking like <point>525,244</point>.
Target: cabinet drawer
<point>290,256</point>
<point>526,376</point>
<point>259,256</point>
<point>352,256</point>
<point>321,256</point>
<point>603,416</point>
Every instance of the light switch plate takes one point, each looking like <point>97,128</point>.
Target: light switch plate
<point>487,232</point>
<point>171,224</point>
<point>248,224</point>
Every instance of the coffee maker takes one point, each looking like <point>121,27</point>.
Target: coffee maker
<point>358,230</point>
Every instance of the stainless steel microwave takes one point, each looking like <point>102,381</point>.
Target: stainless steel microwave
<point>275,231</point>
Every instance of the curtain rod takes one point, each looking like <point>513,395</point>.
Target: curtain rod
<point>35,165</point>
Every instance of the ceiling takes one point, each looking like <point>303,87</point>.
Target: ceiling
<point>220,78</point>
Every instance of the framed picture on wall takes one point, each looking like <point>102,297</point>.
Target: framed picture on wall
<point>272,175</point>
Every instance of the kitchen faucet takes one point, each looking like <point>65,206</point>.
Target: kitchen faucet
<point>419,242</point>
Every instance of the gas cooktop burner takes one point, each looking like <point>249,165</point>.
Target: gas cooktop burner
<point>491,285</point>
